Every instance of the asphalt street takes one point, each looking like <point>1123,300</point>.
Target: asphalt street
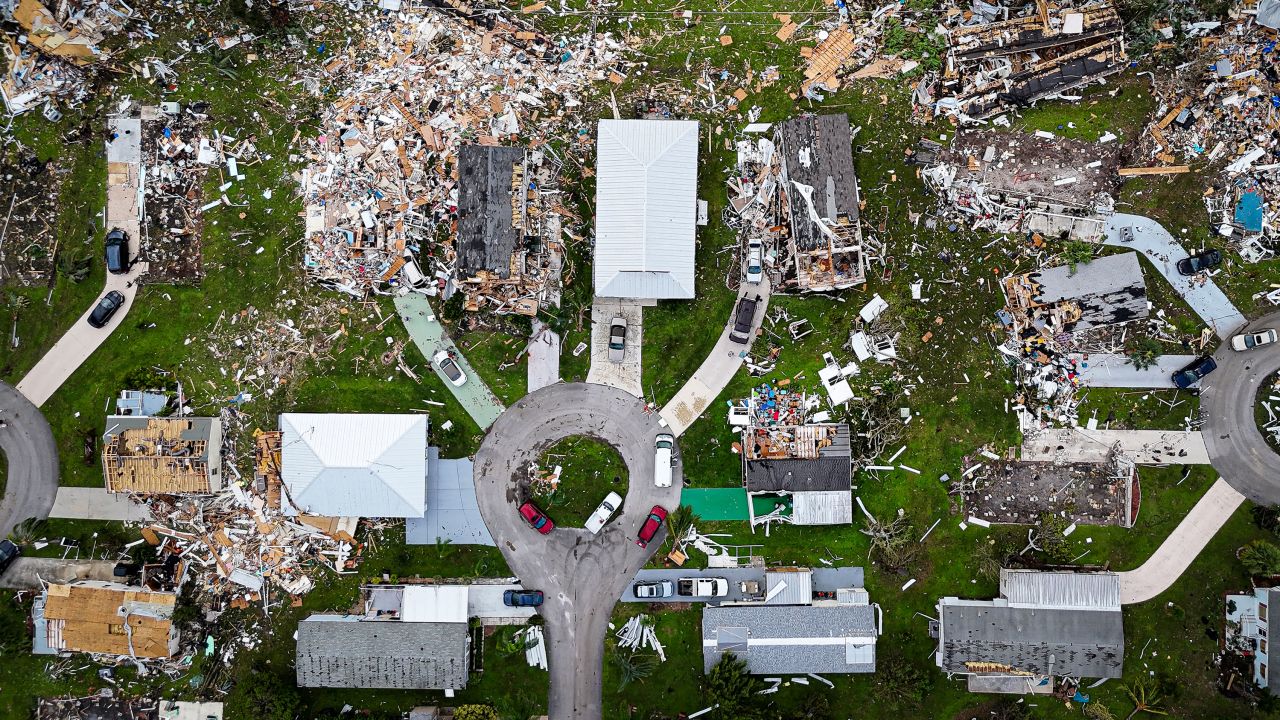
<point>32,479</point>
<point>1227,396</point>
<point>582,575</point>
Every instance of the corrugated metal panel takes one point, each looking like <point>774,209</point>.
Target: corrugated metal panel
<point>435,603</point>
<point>1099,591</point>
<point>833,507</point>
<point>355,465</point>
<point>789,588</point>
<point>646,208</point>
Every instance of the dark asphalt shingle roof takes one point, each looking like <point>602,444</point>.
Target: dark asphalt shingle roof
<point>730,626</point>
<point>829,471</point>
<point>1083,643</point>
<point>827,142</point>
<point>337,651</point>
<point>486,237</point>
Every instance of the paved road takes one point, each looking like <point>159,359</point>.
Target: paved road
<point>32,455</point>
<point>1239,452</point>
<point>429,335</point>
<point>582,575</point>
<point>124,210</point>
<point>1115,370</point>
<point>718,369</point>
<point>1151,239</point>
<point>1182,546</point>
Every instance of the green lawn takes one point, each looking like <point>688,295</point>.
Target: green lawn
<point>591,469</point>
<point>1269,389</point>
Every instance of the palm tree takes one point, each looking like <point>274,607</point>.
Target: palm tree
<point>1260,558</point>
<point>1145,699</point>
<point>633,666</point>
<point>25,532</point>
<point>680,520</point>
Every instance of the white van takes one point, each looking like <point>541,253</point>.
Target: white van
<point>412,274</point>
<point>662,460</point>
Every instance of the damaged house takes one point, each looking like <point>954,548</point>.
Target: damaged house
<point>1088,493</point>
<point>1044,304</point>
<point>1044,624</point>
<point>104,618</point>
<point>1000,57</point>
<point>798,474</point>
<point>819,192</point>
<point>1007,183</point>
<point>159,455</point>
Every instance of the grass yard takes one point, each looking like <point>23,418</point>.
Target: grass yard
<point>1267,392</point>
<point>1137,409</point>
<point>591,469</point>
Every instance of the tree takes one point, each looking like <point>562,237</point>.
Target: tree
<point>476,712</point>
<point>901,683</point>
<point>680,520</point>
<point>892,543</point>
<point>730,687</point>
<point>1051,540</point>
<point>1260,558</point>
<point>1145,699</point>
<point>1097,711</point>
<point>1267,517</point>
<point>1145,352</point>
<point>633,666</point>
<point>263,695</point>
<point>1078,252</point>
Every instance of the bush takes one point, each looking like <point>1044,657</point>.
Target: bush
<point>1260,558</point>
<point>475,712</point>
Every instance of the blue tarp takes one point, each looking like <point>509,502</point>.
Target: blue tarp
<point>1249,211</point>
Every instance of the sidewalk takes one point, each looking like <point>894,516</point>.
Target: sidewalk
<point>430,337</point>
<point>1182,546</point>
<point>1144,447</point>
<point>544,357</point>
<point>1110,370</point>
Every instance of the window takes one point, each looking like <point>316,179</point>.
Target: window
<point>1262,670</point>
<point>1262,613</point>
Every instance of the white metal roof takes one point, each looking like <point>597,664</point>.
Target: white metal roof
<point>646,208</point>
<point>434,603</point>
<point>355,465</point>
<point>1085,591</point>
<point>824,507</point>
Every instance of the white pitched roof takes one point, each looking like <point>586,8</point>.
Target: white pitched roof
<point>646,208</point>
<point>355,465</point>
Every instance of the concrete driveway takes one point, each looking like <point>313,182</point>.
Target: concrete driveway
<point>623,375</point>
<point>32,455</point>
<point>26,573</point>
<point>124,211</point>
<point>1151,239</point>
<point>582,575</point>
<point>1227,397</point>
<point>718,369</point>
<point>1143,447</point>
<point>1113,370</point>
<point>429,335</point>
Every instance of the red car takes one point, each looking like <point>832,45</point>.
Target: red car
<point>651,525</point>
<point>537,519</point>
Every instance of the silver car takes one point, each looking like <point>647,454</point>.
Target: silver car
<point>617,339</point>
<point>656,589</point>
<point>1249,341</point>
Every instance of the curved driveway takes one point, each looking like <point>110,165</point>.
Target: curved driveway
<point>32,477</point>
<point>582,575</point>
<point>1227,396</point>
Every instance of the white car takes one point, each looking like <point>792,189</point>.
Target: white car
<point>602,514</point>
<point>1249,341</point>
<point>617,339</point>
<point>449,368</point>
<point>755,261</point>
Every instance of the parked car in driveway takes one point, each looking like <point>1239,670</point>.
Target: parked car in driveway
<point>662,462</point>
<point>450,368</point>
<point>118,252</point>
<point>522,598</point>
<point>652,524</point>
<point>617,339</point>
<point>1199,262</point>
<point>1191,374</point>
<point>1249,341</point>
<point>603,512</point>
<point>743,318</point>
<point>537,519</point>
<point>106,308</point>
<point>755,261</point>
<point>656,589</point>
<point>8,553</point>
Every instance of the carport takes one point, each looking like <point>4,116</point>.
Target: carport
<point>452,512</point>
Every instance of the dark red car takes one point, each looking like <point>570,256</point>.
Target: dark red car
<point>651,525</point>
<point>537,519</point>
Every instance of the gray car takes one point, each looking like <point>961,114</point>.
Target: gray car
<point>617,339</point>
<point>658,589</point>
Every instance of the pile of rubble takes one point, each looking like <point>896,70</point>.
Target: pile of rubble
<point>1002,57</point>
<point>393,203</point>
<point>176,155</point>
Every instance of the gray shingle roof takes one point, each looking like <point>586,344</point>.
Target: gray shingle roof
<point>1108,290</point>
<point>340,651</point>
<point>798,475</point>
<point>827,144</point>
<point>486,237</point>
<point>819,636</point>
<point>1083,643</point>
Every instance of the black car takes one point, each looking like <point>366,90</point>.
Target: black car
<point>1199,262</point>
<point>8,553</point>
<point>522,598</point>
<point>1191,374</point>
<point>106,307</point>
<point>743,318</point>
<point>118,251</point>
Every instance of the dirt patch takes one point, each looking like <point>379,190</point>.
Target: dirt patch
<point>28,216</point>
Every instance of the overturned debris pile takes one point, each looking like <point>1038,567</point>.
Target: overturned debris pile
<point>1020,492</point>
<point>1001,57</point>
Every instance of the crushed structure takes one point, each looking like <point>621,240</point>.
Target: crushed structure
<point>48,57</point>
<point>1020,491</point>
<point>1002,57</point>
<point>1043,625</point>
<point>159,455</point>
<point>116,707</point>
<point>104,618</point>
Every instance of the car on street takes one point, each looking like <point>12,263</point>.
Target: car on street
<point>603,512</point>
<point>617,339</point>
<point>522,598</point>
<point>655,589</point>
<point>662,462</point>
<point>651,526</point>
<point>8,553</point>
<point>106,308</point>
<point>1191,374</point>
<point>743,319</point>
<point>755,261</point>
<point>450,368</point>
<point>537,519</point>
<point>117,252</point>
<point>1200,262</point>
<point>1249,341</point>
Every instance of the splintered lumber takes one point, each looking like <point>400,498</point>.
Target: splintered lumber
<point>1167,170</point>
